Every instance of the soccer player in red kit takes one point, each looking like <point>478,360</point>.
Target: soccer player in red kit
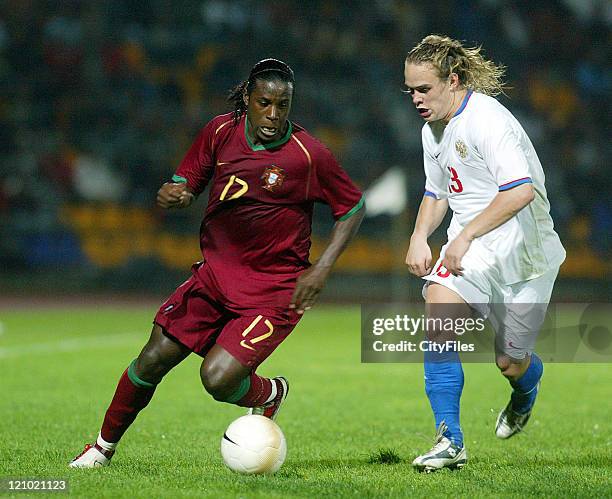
<point>255,281</point>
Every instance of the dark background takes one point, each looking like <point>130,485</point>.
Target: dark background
<point>100,100</point>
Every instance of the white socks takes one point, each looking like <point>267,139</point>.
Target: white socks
<point>104,444</point>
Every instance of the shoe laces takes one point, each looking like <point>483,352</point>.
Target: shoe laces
<point>87,447</point>
<point>260,409</point>
<point>440,443</point>
<point>514,418</point>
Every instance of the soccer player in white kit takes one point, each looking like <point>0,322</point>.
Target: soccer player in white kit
<point>501,247</point>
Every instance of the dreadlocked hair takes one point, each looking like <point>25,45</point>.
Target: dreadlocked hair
<point>450,56</point>
<point>266,69</point>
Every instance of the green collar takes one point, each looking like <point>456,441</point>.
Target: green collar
<point>271,145</point>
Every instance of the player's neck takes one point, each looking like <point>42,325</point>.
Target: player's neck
<point>456,103</point>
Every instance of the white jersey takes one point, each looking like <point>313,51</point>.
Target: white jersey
<point>484,150</point>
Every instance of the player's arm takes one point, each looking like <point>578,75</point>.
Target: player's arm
<point>430,216</point>
<point>432,210</point>
<point>503,207</point>
<point>311,281</point>
<point>174,195</point>
<point>193,174</point>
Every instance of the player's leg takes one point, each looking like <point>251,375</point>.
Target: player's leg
<point>451,297</point>
<point>523,319</point>
<point>228,370</point>
<point>444,383</point>
<point>524,378</point>
<point>443,371</point>
<point>223,375</point>
<point>168,345</point>
<point>138,382</point>
<point>228,380</point>
<point>133,393</point>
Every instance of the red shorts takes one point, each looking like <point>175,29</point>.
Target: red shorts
<point>197,316</point>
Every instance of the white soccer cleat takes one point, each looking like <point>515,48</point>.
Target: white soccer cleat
<point>93,456</point>
<point>509,423</point>
<point>444,454</point>
<point>270,410</point>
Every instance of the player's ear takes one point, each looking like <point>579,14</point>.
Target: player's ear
<point>453,81</point>
<point>245,98</point>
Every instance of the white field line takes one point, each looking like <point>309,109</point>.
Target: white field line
<point>72,345</point>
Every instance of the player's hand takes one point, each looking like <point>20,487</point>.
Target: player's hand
<point>454,253</point>
<point>307,289</point>
<point>418,257</point>
<point>174,195</point>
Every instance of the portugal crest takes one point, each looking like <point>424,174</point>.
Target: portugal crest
<point>461,149</point>
<point>273,177</point>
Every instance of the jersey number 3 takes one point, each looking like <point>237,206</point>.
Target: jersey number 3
<point>455,184</point>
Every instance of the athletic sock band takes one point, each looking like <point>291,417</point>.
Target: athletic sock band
<point>525,388</point>
<point>108,446</point>
<point>530,378</point>
<point>245,384</point>
<point>136,380</point>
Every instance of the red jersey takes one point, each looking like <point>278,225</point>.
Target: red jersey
<point>257,223</point>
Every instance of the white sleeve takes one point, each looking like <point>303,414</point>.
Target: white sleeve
<point>498,141</point>
<point>436,179</point>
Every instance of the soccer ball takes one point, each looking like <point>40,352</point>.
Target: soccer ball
<point>253,444</point>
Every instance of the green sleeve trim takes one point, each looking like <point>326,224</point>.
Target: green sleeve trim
<point>354,210</point>
<point>245,384</point>
<point>178,178</point>
<point>136,380</point>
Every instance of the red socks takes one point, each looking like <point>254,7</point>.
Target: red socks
<point>131,396</point>
<point>258,392</point>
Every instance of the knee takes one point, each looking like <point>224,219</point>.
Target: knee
<point>149,366</point>
<point>214,381</point>
<point>153,363</point>
<point>503,362</point>
<point>511,368</point>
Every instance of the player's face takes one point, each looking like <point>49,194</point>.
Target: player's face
<point>268,107</point>
<point>434,98</point>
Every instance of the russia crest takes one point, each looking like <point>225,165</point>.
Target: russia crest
<point>461,149</point>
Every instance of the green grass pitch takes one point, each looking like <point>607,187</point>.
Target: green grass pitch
<point>352,429</point>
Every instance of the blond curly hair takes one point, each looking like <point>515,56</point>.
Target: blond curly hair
<point>450,56</point>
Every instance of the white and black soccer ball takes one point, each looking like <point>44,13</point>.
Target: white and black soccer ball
<point>253,444</point>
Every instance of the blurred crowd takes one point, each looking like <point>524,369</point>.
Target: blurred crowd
<point>100,100</point>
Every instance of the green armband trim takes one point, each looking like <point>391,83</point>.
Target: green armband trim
<point>178,178</point>
<point>245,384</point>
<point>136,380</point>
<point>354,210</point>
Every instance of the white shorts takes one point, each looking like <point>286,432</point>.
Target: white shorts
<point>516,311</point>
